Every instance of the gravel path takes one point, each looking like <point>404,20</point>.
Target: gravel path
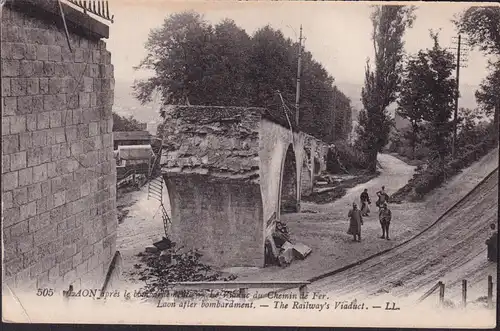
<point>451,251</point>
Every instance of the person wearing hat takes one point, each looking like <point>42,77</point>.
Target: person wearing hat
<point>385,216</point>
<point>382,197</point>
<point>355,222</point>
<point>365,200</point>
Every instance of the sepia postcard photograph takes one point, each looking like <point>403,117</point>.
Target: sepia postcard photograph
<point>265,163</point>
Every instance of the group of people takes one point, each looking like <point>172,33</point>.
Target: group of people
<point>356,215</point>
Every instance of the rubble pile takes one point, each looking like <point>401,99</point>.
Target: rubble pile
<point>163,265</point>
<point>286,250</point>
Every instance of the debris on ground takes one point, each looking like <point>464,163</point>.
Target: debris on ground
<point>301,251</point>
<point>337,189</point>
<point>286,254</point>
<point>163,267</point>
<point>164,244</point>
<point>308,211</point>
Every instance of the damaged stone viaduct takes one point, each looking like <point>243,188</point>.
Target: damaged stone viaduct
<point>230,173</point>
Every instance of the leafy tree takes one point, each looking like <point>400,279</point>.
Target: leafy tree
<point>441,88</point>
<point>381,83</point>
<point>122,123</point>
<point>482,26</point>
<point>195,63</point>
<point>413,102</point>
<point>179,55</point>
<point>488,95</point>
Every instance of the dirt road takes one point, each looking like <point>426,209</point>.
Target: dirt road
<point>452,250</point>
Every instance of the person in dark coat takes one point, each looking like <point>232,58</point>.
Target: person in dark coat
<point>382,197</point>
<point>355,222</point>
<point>385,217</point>
<point>492,243</point>
<point>365,201</point>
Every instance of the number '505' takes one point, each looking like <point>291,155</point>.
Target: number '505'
<point>45,292</point>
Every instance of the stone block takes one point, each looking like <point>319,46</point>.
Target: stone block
<point>10,216</point>
<point>38,68</point>
<point>38,103</point>
<point>84,100</point>
<point>54,102</point>
<point>45,155</point>
<point>20,196</point>
<point>56,85</point>
<point>40,138</point>
<point>27,68</point>
<point>5,126</point>
<point>18,161</point>
<point>67,118</point>
<point>93,129</point>
<point>40,173</point>
<point>11,68</point>
<point>17,124</point>
<point>88,85</point>
<point>34,192</point>
<point>44,85</point>
<point>54,53</point>
<point>18,86</point>
<point>18,230</point>
<point>9,106</point>
<point>55,119</point>
<point>42,52</point>
<point>43,120</point>
<point>46,234</point>
<point>30,52</point>
<point>24,105</point>
<point>31,122</point>
<point>59,198</point>
<point>49,69</point>
<point>28,210</point>
<point>25,176</point>
<point>33,86</point>
<point>60,136</point>
<point>5,87</point>
<point>25,141</point>
<point>10,180</point>
<point>33,155</point>
<point>7,200</point>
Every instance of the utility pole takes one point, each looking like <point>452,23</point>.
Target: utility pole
<point>455,113</point>
<point>297,93</point>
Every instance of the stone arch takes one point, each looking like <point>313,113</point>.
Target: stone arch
<point>289,183</point>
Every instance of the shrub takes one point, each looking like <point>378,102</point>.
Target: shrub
<point>427,179</point>
<point>345,157</point>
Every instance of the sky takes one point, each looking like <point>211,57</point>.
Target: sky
<point>338,34</point>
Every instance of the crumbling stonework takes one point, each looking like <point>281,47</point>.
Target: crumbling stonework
<point>230,173</point>
<point>58,172</point>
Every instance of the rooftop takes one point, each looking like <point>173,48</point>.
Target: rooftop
<point>132,135</point>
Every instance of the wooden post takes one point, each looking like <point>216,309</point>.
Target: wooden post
<point>490,292</point>
<point>464,293</point>
<point>441,293</point>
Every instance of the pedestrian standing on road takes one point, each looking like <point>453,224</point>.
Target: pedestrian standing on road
<point>385,216</point>
<point>365,200</point>
<point>492,243</point>
<point>355,222</point>
<point>382,197</point>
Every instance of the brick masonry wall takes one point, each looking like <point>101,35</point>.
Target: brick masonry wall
<point>58,172</point>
